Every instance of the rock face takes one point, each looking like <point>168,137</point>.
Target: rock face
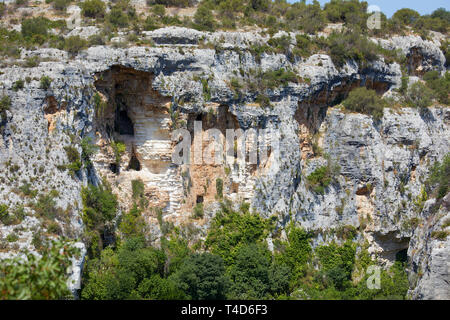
<point>141,95</point>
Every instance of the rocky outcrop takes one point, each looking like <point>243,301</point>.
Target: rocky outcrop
<point>147,92</point>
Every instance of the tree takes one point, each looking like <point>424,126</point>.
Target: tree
<point>406,16</point>
<point>250,272</point>
<point>231,229</point>
<point>296,252</point>
<point>43,278</point>
<point>202,277</point>
<point>204,19</point>
<point>159,10</point>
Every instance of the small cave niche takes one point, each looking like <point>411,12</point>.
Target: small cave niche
<point>234,187</point>
<point>134,163</point>
<point>402,256</point>
<point>114,168</point>
<point>123,124</point>
<point>199,199</point>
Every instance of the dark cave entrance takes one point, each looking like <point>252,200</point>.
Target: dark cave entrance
<point>114,168</point>
<point>134,163</point>
<point>123,123</point>
<point>402,256</point>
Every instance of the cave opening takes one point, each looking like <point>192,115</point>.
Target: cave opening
<point>402,256</point>
<point>134,163</point>
<point>123,123</point>
<point>199,199</point>
<point>114,168</point>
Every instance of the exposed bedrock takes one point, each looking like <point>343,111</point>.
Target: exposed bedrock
<point>138,96</point>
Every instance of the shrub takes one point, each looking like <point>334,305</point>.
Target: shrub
<point>93,8</point>
<point>311,19</point>
<point>204,19</point>
<point>159,10</point>
<point>439,179</point>
<point>5,217</point>
<point>45,206</point>
<point>35,277</point>
<point>343,46</point>
<point>87,149</point>
<point>219,188</point>
<point>61,5</point>
<point>74,158</point>
<point>32,62</point>
<point>74,44</point>
<point>18,85</point>
<point>419,95</point>
<point>296,251</point>
<point>198,211</point>
<point>440,85</point>
<point>28,191</point>
<point>35,29</point>
<point>5,104</point>
<point>440,235</point>
<point>365,101</point>
<point>117,17</point>
<point>45,82</point>
<point>119,149</point>
<point>320,179</point>
<point>99,206</point>
<point>138,188</point>
<point>276,78</point>
<point>406,16</point>
<point>132,223</point>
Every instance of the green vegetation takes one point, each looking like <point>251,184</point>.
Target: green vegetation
<point>219,188</point>
<point>18,85</point>
<point>202,277</point>
<point>93,8</point>
<point>204,19</point>
<point>323,176</point>
<point>8,218</point>
<point>440,85</point>
<point>45,82</point>
<point>365,101</point>
<point>236,265</point>
<point>198,211</point>
<point>5,104</point>
<point>37,278</point>
<point>74,44</point>
<point>438,182</point>
<point>419,95</point>
<point>88,149</point>
<point>99,210</point>
<point>74,160</point>
<point>35,29</point>
<point>119,149</point>
<point>60,5</point>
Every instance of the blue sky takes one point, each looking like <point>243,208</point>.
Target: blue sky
<point>388,7</point>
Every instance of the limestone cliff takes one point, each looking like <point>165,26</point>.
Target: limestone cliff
<point>140,95</point>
